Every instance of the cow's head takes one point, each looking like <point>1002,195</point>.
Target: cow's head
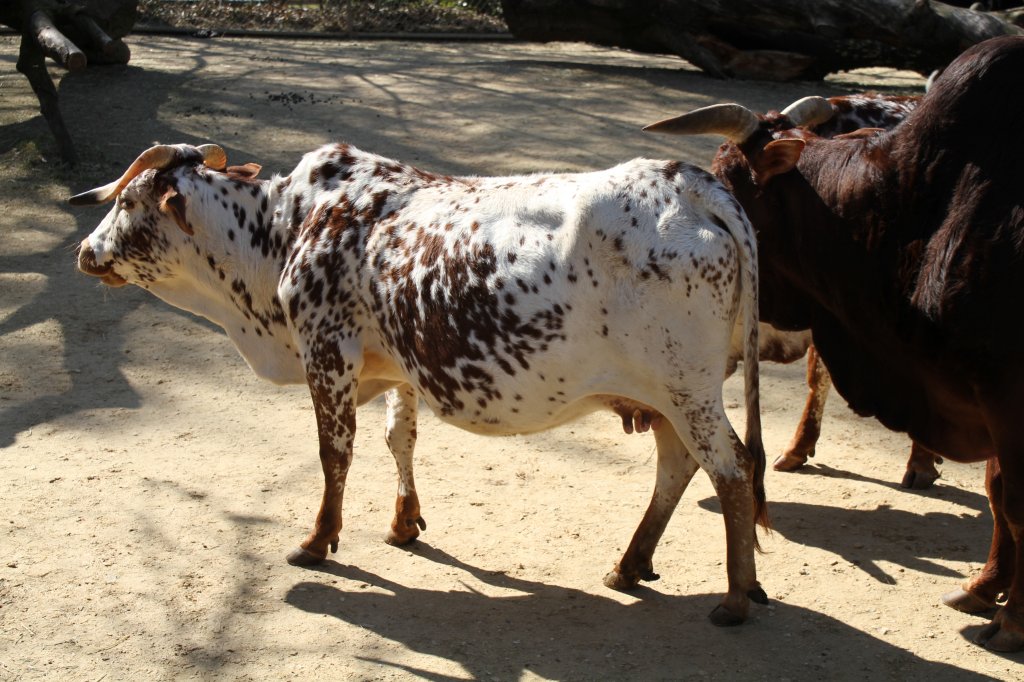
<point>148,218</point>
<point>757,165</point>
<point>757,147</point>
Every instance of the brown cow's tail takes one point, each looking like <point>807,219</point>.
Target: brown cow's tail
<point>746,243</point>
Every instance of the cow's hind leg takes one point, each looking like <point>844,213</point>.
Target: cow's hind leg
<point>730,466</point>
<point>675,469</point>
<point>400,434</point>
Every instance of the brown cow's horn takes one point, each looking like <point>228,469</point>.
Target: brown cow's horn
<point>809,111</point>
<point>734,122</point>
<point>158,157</point>
<point>213,157</point>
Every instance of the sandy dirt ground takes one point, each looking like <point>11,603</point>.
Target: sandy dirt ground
<point>150,486</point>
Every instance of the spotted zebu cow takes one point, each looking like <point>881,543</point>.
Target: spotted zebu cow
<point>509,305</point>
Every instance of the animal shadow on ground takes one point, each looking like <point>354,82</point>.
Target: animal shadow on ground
<point>866,536</point>
<point>565,633</point>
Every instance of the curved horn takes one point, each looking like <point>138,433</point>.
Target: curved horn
<point>809,111</point>
<point>159,156</point>
<point>732,121</point>
<point>213,156</point>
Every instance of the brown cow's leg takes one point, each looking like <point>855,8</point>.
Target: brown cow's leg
<point>400,435</point>
<point>809,429</point>
<point>1004,481</point>
<point>675,469</point>
<point>334,402</point>
<point>980,593</point>
<point>921,471</point>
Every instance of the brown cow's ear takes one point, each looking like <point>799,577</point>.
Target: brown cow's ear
<point>244,172</point>
<point>173,204</point>
<point>777,157</point>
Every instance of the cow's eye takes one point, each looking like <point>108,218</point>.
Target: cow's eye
<point>127,204</point>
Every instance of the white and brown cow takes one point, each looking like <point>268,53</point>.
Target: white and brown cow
<point>510,305</point>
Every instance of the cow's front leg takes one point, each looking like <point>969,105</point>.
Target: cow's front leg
<point>819,381</point>
<point>921,470</point>
<point>675,469</point>
<point>400,434</point>
<point>979,594</point>
<point>332,383</point>
<point>1000,575</point>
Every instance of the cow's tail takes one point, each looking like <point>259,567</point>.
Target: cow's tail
<point>746,243</point>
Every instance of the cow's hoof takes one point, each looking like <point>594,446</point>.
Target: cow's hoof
<point>300,556</point>
<point>918,480</point>
<point>723,617</point>
<point>396,540</point>
<point>962,600</point>
<point>618,581</point>
<point>995,637</point>
<point>404,536</point>
<point>758,595</point>
<point>789,462</point>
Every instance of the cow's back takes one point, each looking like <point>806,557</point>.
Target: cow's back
<point>487,290</point>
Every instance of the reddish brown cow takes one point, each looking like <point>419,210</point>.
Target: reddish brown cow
<point>903,252</point>
<point>859,114</point>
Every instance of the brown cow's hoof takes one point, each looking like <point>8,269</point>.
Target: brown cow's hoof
<point>300,556</point>
<point>618,581</point>
<point>962,600</point>
<point>789,462</point>
<point>723,617</point>
<point>918,480</point>
<point>758,595</point>
<point>995,637</point>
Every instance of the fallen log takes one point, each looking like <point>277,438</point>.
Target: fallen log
<point>778,40</point>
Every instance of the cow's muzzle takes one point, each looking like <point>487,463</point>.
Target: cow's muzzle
<point>87,264</point>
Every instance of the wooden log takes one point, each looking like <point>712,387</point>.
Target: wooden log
<point>113,49</point>
<point>778,40</point>
<point>54,43</point>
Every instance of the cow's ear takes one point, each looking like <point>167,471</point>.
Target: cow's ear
<point>173,204</point>
<point>777,157</point>
<point>246,171</point>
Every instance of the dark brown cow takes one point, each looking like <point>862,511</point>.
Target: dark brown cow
<point>903,253</point>
<point>859,114</point>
